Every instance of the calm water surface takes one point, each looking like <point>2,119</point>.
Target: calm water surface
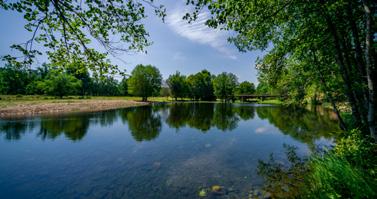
<point>159,151</point>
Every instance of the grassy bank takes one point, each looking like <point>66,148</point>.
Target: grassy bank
<point>30,105</point>
<point>272,101</point>
<point>349,170</point>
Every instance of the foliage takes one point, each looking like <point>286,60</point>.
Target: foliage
<point>347,171</point>
<point>106,86</point>
<point>67,28</point>
<point>200,86</point>
<point>59,84</point>
<point>123,87</point>
<point>178,85</point>
<point>14,79</point>
<point>336,65</point>
<point>246,87</point>
<point>225,85</point>
<point>165,92</point>
<point>145,81</point>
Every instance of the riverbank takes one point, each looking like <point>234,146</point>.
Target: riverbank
<point>16,106</point>
<point>26,106</point>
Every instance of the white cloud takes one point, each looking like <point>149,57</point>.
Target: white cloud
<point>198,32</point>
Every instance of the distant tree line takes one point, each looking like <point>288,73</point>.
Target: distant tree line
<point>144,81</point>
<point>50,80</point>
<point>205,86</point>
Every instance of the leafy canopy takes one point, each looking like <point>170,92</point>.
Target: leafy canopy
<point>145,81</point>
<point>68,28</point>
<point>225,85</point>
<point>178,85</point>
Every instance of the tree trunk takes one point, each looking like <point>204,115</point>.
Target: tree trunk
<point>342,68</point>
<point>359,95</point>
<point>369,69</point>
<point>327,91</point>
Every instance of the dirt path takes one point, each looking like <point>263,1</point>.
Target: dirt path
<point>32,108</point>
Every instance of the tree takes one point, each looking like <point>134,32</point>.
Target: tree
<point>145,81</point>
<point>123,87</point>
<point>246,88</point>
<point>342,54</point>
<point>68,27</point>
<point>60,84</point>
<point>225,85</point>
<point>105,86</point>
<point>178,85</point>
<point>200,86</point>
<point>14,79</point>
<point>165,92</point>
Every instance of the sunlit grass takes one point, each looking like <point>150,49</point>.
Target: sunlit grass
<point>272,101</point>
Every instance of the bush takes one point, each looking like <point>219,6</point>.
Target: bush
<point>347,171</point>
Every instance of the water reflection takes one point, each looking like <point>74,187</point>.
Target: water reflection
<point>137,152</point>
<point>14,130</point>
<point>145,123</point>
<point>301,124</point>
<point>74,127</point>
<point>195,115</point>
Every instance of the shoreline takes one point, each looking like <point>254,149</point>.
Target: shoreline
<point>62,107</point>
<point>17,107</point>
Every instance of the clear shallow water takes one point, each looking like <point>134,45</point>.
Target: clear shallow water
<point>160,151</point>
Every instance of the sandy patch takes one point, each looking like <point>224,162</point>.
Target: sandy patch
<point>59,107</point>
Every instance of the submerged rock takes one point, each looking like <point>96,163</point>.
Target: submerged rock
<point>216,188</point>
<point>202,193</point>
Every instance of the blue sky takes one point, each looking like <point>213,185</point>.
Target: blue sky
<point>177,45</point>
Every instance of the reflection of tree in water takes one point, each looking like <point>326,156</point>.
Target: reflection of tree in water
<point>104,118</point>
<point>225,117</point>
<point>245,112</point>
<point>203,116</point>
<point>195,115</point>
<point>179,114</point>
<point>284,180</point>
<point>13,130</point>
<point>301,124</point>
<point>143,123</point>
<point>73,127</point>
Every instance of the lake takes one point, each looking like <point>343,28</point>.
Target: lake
<point>159,151</point>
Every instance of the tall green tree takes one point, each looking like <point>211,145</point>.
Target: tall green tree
<point>123,87</point>
<point>145,81</point>
<point>105,86</point>
<point>342,47</point>
<point>178,85</point>
<point>200,86</point>
<point>246,87</point>
<point>225,85</point>
<point>14,79</point>
<point>60,84</point>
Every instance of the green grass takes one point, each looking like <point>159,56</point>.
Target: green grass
<point>349,170</point>
<point>333,176</point>
<point>272,101</point>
